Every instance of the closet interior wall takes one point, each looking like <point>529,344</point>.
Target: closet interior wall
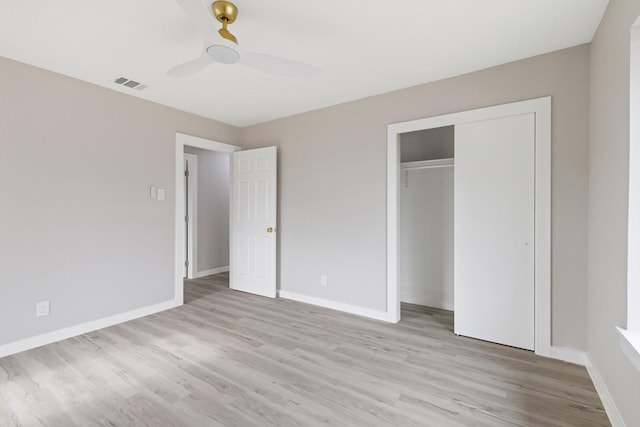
<point>426,218</point>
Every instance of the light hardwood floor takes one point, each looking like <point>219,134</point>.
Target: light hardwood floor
<point>232,359</point>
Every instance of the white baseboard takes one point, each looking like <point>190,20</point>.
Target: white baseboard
<point>334,305</point>
<point>427,299</point>
<point>73,331</point>
<point>569,355</point>
<point>205,273</point>
<point>607,400</point>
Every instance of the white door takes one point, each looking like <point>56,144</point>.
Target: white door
<point>494,230</point>
<point>253,221</point>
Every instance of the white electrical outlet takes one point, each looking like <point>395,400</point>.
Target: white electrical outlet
<point>42,309</point>
<point>323,280</point>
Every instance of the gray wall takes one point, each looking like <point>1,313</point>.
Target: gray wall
<point>425,265</point>
<point>428,144</point>
<point>608,202</point>
<point>77,225</point>
<point>213,208</point>
<point>332,181</point>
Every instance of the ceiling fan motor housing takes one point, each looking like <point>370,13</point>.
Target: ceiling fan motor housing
<point>225,11</point>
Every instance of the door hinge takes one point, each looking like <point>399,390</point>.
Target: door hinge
<point>186,264</point>
<point>186,218</point>
<point>186,173</point>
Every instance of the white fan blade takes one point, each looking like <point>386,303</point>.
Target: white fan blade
<point>190,67</point>
<point>276,65</point>
<point>201,16</point>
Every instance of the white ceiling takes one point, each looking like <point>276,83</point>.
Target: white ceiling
<point>364,47</point>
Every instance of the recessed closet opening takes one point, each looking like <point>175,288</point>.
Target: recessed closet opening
<point>426,218</point>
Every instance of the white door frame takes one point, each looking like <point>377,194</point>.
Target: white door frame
<point>192,226</point>
<point>192,141</point>
<point>542,109</point>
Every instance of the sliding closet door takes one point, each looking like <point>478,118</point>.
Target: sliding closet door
<point>494,230</point>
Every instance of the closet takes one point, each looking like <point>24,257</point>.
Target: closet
<point>466,235</point>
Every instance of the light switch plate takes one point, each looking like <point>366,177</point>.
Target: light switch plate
<point>161,193</point>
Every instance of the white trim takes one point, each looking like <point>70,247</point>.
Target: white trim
<point>630,345</point>
<point>570,355</point>
<point>393,207</point>
<point>542,109</point>
<point>615,417</point>
<point>211,272</point>
<point>83,328</point>
<point>192,141</point>
<point>334,305</point>
<point>206,144</point>
<point>192,229</point>
<point>633,223</point>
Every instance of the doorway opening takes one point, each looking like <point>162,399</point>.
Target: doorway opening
<point>538,113</point>
<point>207,184</point>
<point>189,225</point>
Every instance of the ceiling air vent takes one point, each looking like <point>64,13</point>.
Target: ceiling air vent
<point>129,83</point>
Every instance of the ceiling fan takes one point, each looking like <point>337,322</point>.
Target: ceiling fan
<point>222,46</point>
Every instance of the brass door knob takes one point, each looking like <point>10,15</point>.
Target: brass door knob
<point>270,230</point>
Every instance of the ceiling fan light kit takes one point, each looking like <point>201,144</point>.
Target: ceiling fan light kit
<point>222,47</point>
<point>223,54</point>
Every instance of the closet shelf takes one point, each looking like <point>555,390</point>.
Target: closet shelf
<point>426,164</point>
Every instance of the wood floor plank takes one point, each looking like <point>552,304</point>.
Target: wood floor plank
<point>228,358</point>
